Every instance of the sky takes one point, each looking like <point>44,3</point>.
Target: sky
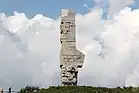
<point>106,32</point>
<point>46,7</point>
<point>52,8</point>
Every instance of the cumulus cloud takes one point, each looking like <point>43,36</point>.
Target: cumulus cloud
<point>116,5</point>
<point>112,7</point>
<point>112,54</point>
<point>29,49</point>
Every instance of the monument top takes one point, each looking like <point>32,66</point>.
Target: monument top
<point>65,12</point>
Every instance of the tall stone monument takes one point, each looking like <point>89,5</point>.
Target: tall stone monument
<point>70,58</point>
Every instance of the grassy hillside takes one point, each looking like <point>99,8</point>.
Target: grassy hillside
<point>78,89</point>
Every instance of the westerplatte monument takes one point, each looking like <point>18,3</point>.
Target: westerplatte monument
<point>70,58</point>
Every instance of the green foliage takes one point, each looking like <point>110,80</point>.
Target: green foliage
<point>29,89</point>
<point>78,89</point>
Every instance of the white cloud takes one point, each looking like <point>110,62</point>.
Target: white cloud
<point>117,50</point>
<point>85,6</point>
<point>29,49</point>
<point>116,5</point>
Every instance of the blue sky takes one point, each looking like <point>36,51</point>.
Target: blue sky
<point>49,8</point>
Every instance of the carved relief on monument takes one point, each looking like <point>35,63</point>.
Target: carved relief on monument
<point>69,74</point>
<point>64,33</point>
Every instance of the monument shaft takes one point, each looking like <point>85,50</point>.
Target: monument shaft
<point>70,58</point>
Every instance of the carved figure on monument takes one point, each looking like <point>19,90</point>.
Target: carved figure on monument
<point>70,58</point>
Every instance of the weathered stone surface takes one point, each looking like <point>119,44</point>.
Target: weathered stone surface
<point>70,58</point>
